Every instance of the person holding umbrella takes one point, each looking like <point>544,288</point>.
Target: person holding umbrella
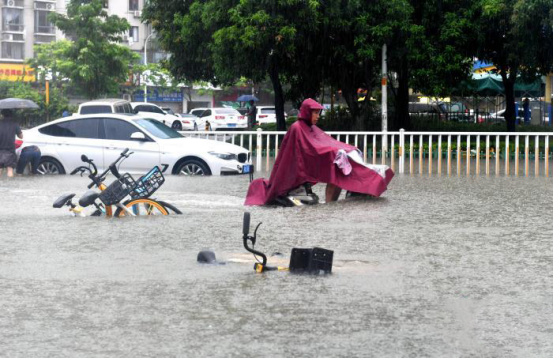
<point>9,128</point>
<point>252,110</point>
<point>252,114</point>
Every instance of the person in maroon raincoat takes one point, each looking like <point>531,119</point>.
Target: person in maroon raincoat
<point>309,155</point>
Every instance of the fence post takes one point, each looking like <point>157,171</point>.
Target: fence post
<point>259,150</point>
<point>401,152</point>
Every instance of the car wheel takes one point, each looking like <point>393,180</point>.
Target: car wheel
<point>177,126</point>
<point>49,166</point>
<point>193,168</point>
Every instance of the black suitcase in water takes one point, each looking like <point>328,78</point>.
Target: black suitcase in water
<point>311,260</point>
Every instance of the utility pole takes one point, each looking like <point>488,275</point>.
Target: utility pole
<point>384,89</point>
<point>384,101</point>
<point>146,63</point>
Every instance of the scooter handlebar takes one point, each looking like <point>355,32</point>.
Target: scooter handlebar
<point>246,224</point>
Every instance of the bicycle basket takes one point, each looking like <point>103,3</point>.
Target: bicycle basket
<point>118,190</point>
<point>148,184</point>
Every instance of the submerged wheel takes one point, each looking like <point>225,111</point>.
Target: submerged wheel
<point>50,166</point>
<point>192,167</point>
<point>171,209</point>
<point>142,207</point>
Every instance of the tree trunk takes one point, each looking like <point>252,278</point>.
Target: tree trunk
<point>403,98</point>
<point>351,98</point>
<point>279,97</point>
<point>510,114</point>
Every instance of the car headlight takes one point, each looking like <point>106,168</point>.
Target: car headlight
<point>224,156</point>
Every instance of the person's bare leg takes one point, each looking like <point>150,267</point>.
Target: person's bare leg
<point>10,171</point>
<point>332,193</point>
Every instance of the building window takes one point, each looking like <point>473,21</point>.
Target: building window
<point>12,19</point>
<point>134,33</point>
<point>13,50</point>
<point>133,5</point>
<point>42,25</point>
<point>106,4</point>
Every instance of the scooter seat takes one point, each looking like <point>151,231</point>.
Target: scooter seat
<point>63,200</point>
<point>88,198</point>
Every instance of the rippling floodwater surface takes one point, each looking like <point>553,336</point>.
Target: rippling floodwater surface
<point>438,266</point>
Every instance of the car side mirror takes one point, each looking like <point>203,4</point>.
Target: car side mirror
<point>138,136</point>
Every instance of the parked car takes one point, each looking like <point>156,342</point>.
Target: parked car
<point>169,111</point>
<point>153,111</point>
<point>266,114</point>
<point>189,122</point>
<point>221,118</point>
<point>437,110</point>
<point>107,105</point>
<point>294,112</point>
<point>102,138</point>
<point>498,117</point>
<point>458,112</point>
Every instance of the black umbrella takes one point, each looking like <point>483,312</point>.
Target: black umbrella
<point>17,103</point>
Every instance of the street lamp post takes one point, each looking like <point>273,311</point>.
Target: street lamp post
<point>146,63</point>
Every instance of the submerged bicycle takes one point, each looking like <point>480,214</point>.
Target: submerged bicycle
<point>114,195</point>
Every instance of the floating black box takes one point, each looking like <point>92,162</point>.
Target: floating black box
<point>311,260</point>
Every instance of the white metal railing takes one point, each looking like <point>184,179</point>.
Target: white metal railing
<point>410,152</point>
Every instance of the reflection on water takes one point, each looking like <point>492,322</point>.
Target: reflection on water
<point>436,267</point>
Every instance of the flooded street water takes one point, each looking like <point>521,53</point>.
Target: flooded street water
<point>438,266</point>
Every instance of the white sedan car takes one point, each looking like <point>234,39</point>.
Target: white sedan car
<point>221,118</point>
<point>103,137</point>
<point>153,111</point>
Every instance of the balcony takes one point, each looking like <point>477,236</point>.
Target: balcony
<point>45,30</point>
<point>13,28</point>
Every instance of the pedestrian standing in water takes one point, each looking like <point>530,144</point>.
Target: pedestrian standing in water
<point>9,128</point>
<point>252,114</point>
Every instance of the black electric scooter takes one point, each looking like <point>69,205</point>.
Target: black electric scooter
<point>302,260</point>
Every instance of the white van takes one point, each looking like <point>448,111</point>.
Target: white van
<point>107,105</point>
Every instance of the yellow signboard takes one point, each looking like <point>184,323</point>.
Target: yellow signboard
<point>16,72</point>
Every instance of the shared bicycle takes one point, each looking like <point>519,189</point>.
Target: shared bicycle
<point>124,197</point>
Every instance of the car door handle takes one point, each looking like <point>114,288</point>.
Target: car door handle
<point>110,148</point>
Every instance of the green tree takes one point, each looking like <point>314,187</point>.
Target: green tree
<point>92,60</point>
<point>430,52</point>
<point>222,41</point>
<point>54,109</point>
<point>515,36</point>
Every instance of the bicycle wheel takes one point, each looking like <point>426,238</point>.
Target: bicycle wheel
<point>171,209</point>
<point>142,207</point>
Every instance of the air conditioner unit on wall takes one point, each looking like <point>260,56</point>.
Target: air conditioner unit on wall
<point>45,6</point>
<point>136,13</point>
<point>11,3</point>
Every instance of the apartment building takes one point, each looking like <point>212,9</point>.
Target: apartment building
<point>24,24</point>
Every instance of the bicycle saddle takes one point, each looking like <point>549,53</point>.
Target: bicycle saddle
<point>88,198</point>
<point>63,200</point>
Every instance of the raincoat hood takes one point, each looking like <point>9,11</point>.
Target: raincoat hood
<point>306,110</point>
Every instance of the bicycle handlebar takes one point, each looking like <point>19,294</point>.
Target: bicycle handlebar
<point>97,180</point>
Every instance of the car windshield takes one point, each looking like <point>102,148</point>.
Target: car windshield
<point>270,110</point>
<point>157,128</point>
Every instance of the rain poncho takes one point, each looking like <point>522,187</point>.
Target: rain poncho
<point>307,155</point>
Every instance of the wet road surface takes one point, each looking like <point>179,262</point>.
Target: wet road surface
<point>440,267</point>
